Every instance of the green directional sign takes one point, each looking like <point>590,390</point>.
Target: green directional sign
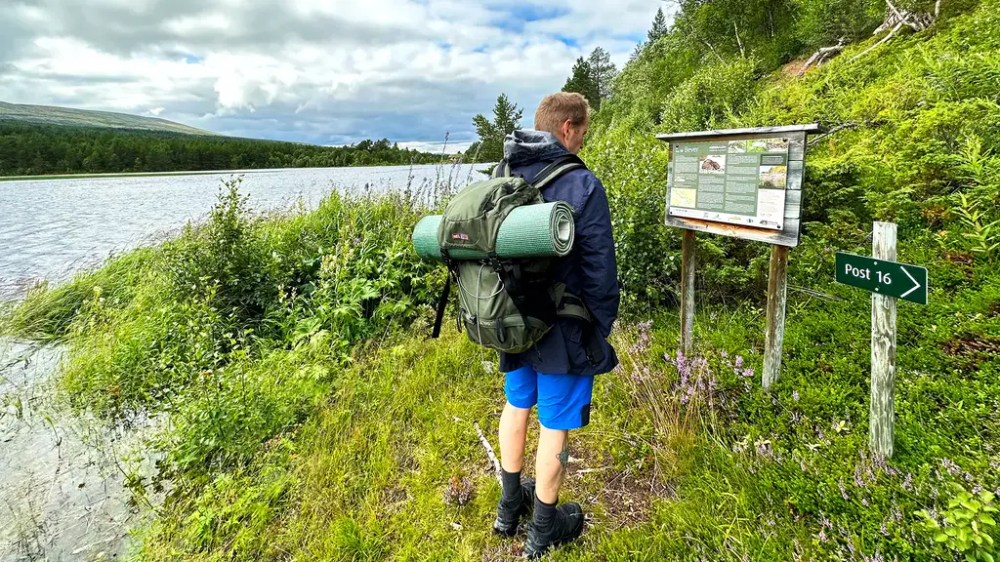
<point>900,280</point>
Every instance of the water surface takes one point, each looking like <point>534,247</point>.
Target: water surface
<point>50,229</point>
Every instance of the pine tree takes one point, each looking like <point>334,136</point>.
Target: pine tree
<point>506,119</point>
<point>603,70</point>
<point>659,28</point>
<point>584,81</point>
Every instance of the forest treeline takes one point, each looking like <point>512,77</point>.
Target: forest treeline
<point>30,149</point>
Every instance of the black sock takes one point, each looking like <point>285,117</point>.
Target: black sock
<point>511,487</point>
<point>545,513</point>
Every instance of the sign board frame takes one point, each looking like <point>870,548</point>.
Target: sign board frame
<point>780,240</point>
<point>789,235</point>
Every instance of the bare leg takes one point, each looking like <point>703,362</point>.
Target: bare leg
<point>513,429</point>
<point>553,454</point>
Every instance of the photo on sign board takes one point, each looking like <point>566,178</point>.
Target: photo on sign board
<point>757,145</point>
<point>713,164</point>
<point>683,198</point>
<point>777,145</point>
<point>773,177</point>
<point>737,147</point>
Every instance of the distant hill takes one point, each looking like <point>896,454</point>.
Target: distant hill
<point>48,115</point>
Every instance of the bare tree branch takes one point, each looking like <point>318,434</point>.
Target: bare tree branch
<point>822,55</point>
<point>877,45</point>
<point>739,42</point>
<point>836,129</point>
<point>489,452</point>
<point>714,52</point>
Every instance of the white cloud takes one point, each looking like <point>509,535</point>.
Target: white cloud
<point>325,71</point>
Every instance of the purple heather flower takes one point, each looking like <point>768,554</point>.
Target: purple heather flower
<point>724,354</point>
<point>858,481</point>
<point>795,395</point>
<point>843,490</point>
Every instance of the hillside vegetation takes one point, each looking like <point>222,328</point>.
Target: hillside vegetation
<point>312,419</point>
<point>28,149</point>
<point>65,116</point>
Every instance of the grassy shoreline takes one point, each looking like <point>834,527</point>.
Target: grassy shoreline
<point>194,173</point>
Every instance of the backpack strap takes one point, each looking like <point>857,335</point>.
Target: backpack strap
<point>557,168</point>
<point>443,299</point>
<point>502,170</point>
<point>571,306</point>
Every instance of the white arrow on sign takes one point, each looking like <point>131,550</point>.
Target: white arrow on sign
<point>916,285</point>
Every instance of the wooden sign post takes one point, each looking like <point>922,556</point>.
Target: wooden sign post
<point>743,183</point>
<point>882,411</point>
<point>887,281</point>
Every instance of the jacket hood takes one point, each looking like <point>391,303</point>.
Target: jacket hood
<point>522,148</point>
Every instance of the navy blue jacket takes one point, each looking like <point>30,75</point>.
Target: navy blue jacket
<point>589,271</point>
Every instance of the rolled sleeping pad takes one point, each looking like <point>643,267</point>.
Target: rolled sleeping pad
<point>530,231</point>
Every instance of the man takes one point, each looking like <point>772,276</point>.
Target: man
<point>558,373</point>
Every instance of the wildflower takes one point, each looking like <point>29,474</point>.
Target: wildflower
<point>795,395</point>
<point>843,490</point>
<point>858,481</point>
<point>882,529</point>
<point>864,502</point>
<point>950,466</point>
<point>739,361</point>
<point>821,536</point>
<point>908,482</point>
<point>723,354</point>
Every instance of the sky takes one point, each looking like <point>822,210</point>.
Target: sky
<point>329,72</point>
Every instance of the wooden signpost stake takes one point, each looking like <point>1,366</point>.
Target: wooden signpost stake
<point>882,411</point>
<point>687,292</point>
<point>777,293</point>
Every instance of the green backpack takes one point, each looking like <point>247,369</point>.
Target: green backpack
<point>503,304</point>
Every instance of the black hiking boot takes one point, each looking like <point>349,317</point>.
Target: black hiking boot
<point>565,524</point>
<point>509,515</point>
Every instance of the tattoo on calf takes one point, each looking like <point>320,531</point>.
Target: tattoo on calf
<point>563,456</point>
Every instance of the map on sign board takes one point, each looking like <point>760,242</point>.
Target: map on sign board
<point>731,181</point>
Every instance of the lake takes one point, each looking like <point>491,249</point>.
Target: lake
<point>51,229</point>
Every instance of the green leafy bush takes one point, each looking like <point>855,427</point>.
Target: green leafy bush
<point>966,526</point>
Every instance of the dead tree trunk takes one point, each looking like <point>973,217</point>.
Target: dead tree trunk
<point>895,19</point>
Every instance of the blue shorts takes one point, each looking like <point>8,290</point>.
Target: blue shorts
<point>563,400</point>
